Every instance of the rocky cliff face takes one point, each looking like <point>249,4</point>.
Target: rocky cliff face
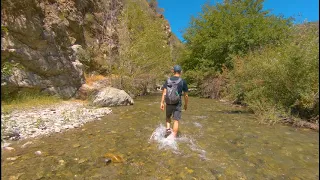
<point>46,45</point>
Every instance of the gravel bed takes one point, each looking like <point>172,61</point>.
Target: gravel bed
<point>22,124</point>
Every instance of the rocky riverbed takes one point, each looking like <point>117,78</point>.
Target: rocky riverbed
<point>33,122</point>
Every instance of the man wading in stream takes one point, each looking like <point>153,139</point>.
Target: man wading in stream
<point>171,94</point>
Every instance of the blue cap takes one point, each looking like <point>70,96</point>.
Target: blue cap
<point>177,68</point>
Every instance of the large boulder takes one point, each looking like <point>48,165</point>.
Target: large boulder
<point>110,96</point>
<point>87,89</point>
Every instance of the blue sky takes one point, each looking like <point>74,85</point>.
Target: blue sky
<point>178,12</point>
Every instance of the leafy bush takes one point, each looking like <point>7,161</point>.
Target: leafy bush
<point>285,77</point>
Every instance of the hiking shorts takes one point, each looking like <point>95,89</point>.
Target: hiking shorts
<point>173,110</point>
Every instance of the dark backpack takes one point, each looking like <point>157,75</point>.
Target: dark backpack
<point>172,95</point>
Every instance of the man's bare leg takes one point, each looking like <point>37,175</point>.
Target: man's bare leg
<point>168,130</point>
<point>175,128</point>
<point>168,120</point>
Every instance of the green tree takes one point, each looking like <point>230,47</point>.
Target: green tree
<point>227,29</point>
<point>144,52</point>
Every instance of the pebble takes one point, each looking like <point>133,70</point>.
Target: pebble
<point>57,130</point>
<point>76,145</point>
<point>26,144</point>
<point>61,162</point>
<point>38,153</point>
<point>82,161</point>
<point>107,160</point>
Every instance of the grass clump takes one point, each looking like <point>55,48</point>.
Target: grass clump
<point>27,99</point>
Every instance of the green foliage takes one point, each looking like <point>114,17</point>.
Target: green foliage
<point>284,76</point>
<point>89,18</point>
<point>144,53</point>
<point>4,29</point>
<point>85,55</point>
<point>228,29</point>
<point>177,48</point>
<point>7,67</point>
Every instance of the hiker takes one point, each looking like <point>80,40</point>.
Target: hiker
<point>171,95</point>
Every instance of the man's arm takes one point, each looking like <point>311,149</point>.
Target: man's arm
<point>186,98</point>
<point>164,92</point>
<point>185,93</point>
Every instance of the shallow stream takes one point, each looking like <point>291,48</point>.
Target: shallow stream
<point>217,141</point>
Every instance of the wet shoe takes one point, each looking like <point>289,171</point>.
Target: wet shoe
<point>168,132</point>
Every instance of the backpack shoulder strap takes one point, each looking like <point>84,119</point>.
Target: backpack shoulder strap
<point>178,81</point>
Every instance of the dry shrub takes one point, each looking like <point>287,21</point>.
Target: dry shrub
<point>214,86</point>
<point>135,86</point>
<point>90,79</point>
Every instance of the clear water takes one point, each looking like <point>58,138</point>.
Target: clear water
<point>217,141</point>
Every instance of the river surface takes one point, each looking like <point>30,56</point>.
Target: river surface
<point>216,141</point>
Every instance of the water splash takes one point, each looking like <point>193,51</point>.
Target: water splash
<point>197,124</point>
<point>164,143</point>
<point>172,143</point>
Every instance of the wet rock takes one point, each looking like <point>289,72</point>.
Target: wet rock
<point>82,161</point>
<point>114,158</point>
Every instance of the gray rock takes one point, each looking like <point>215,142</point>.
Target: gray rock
<point>110,96</point>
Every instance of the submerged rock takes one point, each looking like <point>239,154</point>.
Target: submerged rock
<point>107,160</point>
<point>110,96</point>
<point>38,153</point>
<point>8,149</point>
<point>76,145</point>
<point>114,158</point>
<point>26,144</point>
<point>12,158</point>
